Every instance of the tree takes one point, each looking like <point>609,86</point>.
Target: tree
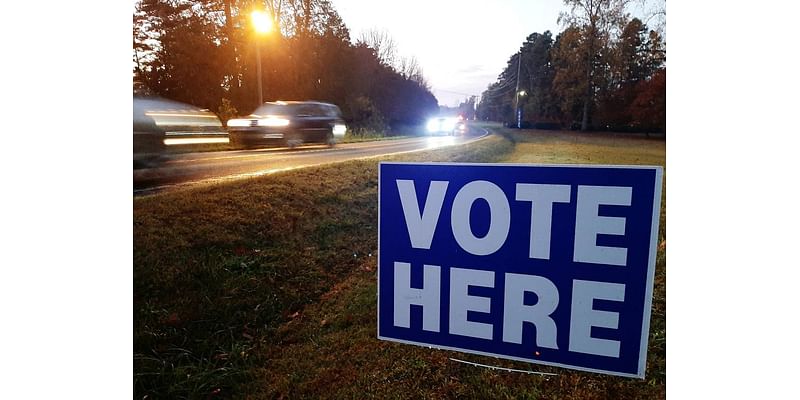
<point>499,100</point>
<point>569,83</point>
<point>595,19</point>
<point>636,54</point>
<point>410,69</point>
<point>536,75</point>
<point>383,44</point>
<point>495,102</point>
<point>184,64</point>
<point>634,57</point>
<point>649,108</point>
<point>467,107</point>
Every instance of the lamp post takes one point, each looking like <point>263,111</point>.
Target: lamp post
<point>262,24</point>
<point>519,110</point>
<point>517,92</point>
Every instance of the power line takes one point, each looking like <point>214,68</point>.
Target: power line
<point>505,86</point>
<point>499,91</point>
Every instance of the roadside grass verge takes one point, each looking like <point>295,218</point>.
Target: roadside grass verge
<point>218,269</point>
<point>330,350</point>
<point>266,288</point>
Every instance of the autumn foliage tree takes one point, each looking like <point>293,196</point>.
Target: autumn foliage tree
<point>648,110</point>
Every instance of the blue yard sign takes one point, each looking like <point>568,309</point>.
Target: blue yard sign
<point>547,264</point>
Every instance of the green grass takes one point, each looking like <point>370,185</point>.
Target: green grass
<point>265,288</point>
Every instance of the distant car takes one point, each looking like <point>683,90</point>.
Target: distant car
<point>446,126</point>
<point>158,123</point>
<point>461,127</point>
<point>289,123</point>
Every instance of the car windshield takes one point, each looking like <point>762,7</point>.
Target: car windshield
<point>275,109</point>
<point>311,109</point>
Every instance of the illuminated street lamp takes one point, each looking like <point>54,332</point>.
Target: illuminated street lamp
<point>262,23</point>
<point>518,92</point>
<point>517,108</point>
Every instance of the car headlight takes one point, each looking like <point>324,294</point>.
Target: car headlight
<point>339,130</point>
<point>273,122</point>
<point>433,125</point>
<point>238,122</point>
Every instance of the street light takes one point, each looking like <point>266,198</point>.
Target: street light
<point>262,23</point>
<point>517,109</point>
<point>518,92</point>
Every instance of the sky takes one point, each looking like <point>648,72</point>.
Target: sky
<point>461,45</point>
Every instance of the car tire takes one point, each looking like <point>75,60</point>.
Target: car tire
<point>237,142</point>
<point>293,141</point>
<point>247,144</point>
<point>331,140</point>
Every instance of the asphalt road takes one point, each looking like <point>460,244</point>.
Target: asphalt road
<point>181,170</point>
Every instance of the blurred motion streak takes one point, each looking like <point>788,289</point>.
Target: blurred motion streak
<point>179,141</point>
<point>158,122</point>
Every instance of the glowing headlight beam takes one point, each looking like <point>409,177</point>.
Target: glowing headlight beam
<point>238,122</point>
<point>273,122</point>
<point>179,141</point>
<point>339,130</point>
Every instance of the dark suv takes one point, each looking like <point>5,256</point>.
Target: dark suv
<point>288,123</point>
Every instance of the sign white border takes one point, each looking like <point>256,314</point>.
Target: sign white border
<point>651,265</point>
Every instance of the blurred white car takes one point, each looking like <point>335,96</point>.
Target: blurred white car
<point>158,123</point>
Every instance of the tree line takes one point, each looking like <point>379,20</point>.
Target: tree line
<point>203,52</point>
<point>604,71</point>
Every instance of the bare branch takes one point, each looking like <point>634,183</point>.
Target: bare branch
<point>383,44</point>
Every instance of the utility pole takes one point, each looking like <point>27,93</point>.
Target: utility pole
<point>262,23</point>
<point>260,85</point>
<point>516,93</point>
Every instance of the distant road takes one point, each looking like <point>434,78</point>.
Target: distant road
<point>209,167</point>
